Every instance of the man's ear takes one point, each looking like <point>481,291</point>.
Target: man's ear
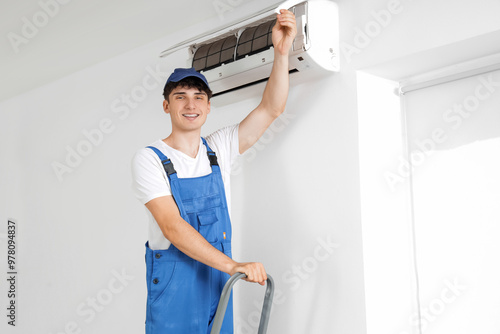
<point>209,105</point>
<point>166,106</point>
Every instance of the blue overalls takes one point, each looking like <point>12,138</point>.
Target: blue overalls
<point>183,293</point>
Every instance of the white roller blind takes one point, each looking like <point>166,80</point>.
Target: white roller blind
<point>453,136</point>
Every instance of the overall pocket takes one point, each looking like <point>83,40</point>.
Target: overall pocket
<point>160,280</point>
<point>208,226</point>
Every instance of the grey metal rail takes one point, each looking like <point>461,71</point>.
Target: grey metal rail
<point>224,299</point>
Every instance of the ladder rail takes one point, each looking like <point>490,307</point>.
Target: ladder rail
<point>224,300</point>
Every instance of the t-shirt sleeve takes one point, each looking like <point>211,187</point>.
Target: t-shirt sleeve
<point>226,145</point>
<point>149,180</point>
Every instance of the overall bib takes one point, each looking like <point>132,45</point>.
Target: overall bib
<point>183,293</point>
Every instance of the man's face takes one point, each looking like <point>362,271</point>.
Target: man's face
<point>188,108</point>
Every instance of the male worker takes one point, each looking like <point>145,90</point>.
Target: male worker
<point>184,182</point>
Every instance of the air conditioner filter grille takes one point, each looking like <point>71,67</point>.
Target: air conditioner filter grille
<point>252,40</point>
<point>255,39</point>
<point>214,54</point>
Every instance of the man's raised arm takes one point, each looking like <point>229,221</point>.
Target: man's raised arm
<point>276,91</point>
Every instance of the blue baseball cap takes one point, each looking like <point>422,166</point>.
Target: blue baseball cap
<point>181,73</point>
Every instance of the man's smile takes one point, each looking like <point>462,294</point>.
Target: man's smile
<point>191,116</point>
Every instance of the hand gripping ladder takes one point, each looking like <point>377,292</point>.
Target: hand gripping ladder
<point>224,299</point>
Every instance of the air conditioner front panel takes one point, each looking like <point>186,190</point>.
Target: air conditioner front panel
<point>248,69</point>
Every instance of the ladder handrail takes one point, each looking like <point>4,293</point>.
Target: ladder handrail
<point>224,300</point>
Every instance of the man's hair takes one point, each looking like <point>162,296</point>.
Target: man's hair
<point>189,82</point>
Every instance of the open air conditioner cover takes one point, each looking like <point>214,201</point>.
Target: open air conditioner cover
<point>241,54</point>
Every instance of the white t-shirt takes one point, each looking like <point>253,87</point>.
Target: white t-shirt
<point>150,181</point>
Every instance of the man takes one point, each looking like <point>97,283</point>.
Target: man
<point>184,181</point>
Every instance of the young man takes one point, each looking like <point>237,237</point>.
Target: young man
<point>184,181</point>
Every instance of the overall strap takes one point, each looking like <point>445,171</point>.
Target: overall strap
<point>167,164</point>
<point>212,157</point>
<point>172,179</point>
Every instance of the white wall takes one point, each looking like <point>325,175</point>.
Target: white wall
<point>387,233</point>
<point>75,233</point>
<point>375,36</point>
<point>296,194</point>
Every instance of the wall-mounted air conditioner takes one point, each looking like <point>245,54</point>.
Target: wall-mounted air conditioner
<point>241,53</point>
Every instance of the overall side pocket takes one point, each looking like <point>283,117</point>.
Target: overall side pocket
<point>160,279</point>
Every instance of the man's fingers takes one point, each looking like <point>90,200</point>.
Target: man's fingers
<point>286,20</point>
<point>255,272</point>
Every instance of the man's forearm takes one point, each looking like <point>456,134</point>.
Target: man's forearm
<point>276,91</point>
<point>190,242</point>
<point>183,236</point>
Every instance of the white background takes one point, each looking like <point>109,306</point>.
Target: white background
<point>298,189</point>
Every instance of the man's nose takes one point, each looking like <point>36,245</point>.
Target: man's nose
<point>190,104</point>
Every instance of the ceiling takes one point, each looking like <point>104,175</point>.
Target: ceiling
<point>44,44</point>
